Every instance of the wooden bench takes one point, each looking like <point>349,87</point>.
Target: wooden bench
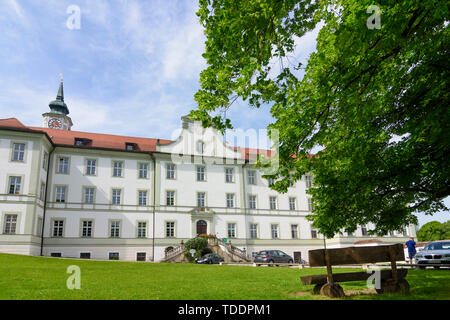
<point>392,280</point>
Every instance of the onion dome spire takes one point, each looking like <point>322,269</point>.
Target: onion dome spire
<point>58,105</point>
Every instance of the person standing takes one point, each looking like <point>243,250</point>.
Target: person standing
<point>411,244</point>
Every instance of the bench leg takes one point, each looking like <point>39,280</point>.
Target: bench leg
<point>392,286</point>
<point>332,291</point>
<point>317,288</point>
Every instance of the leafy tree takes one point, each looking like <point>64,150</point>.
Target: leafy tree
<point>434,230</point>
<point>375,99</point>
<point>198,243</point>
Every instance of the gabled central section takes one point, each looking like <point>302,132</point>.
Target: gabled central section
<point>195,140</point>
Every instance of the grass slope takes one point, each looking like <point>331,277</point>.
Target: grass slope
<point>24,277</point>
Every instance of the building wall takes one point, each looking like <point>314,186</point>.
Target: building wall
<point>29,203</point>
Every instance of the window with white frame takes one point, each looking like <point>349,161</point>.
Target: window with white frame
<point>200,173</point>
<point>142,197</point>
<point>61,194</point>
<point>62,165</point>
<point>170,171</point>
<point>231,230</point>
<point>143,171</point>
<point>271,182</point>
<point>310,204</point>
<point>85,255</point>
<point>58,228</point>
<point>292,201</point>
<point>86,231</point>
<point>116,196</point>
<point>170,229</point>
<point>313,234</point>
<point>14,185</point>
<point>89,195</point>
<point>275,231</point>
<point>230,200</point>
<point>273,202</point>
<point>251,174</point>
<point>115,229</point>
<point>252,201</point>
<point>45,161</point>
<point>117,168</point>
<point>18,152</point>
<point>364,230</point>
<point>114,256</point>
<point>253,231</point>
<point>201,199</point>
<point>42,191</point>
<point>91,167</point>
<point>142,229</point>
<point>308,182</point>
<point>229,175</point>
<point>141,256</point>
<point>170,198</point>
<point>294,231</point>
<point>10,224</point>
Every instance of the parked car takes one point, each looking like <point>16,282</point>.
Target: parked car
<point>436,252</point>
<point>209,258</point>
<point>272,257</point>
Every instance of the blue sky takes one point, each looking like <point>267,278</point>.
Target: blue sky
<point>131,69</point>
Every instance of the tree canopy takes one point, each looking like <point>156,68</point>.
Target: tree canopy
<point>434,230</point>
<point>375,99</point>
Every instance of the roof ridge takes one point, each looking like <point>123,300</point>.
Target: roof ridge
<point>103,134</point>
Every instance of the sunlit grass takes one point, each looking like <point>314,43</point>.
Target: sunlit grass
<point>23,277</point>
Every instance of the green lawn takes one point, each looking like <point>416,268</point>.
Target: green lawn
<point>23,277</point>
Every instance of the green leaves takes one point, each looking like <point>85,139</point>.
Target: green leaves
<point>376,100</point>
<point>434,230</point>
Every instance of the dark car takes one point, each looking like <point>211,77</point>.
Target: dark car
<point>272,257</point>
<point>210,258</point>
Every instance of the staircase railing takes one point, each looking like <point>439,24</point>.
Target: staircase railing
<point>174,252</point>
<point>234,250</point>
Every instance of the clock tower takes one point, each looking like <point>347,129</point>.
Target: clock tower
<point>58,117</point>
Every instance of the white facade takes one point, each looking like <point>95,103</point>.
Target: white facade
<point>192,172</point>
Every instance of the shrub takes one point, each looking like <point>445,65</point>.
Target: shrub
<point>198,244</point>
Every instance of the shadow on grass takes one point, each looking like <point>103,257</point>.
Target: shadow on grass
<point>424,285</point>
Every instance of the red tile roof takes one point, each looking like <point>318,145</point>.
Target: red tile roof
<point>98,140</point>
<point>110,141</point>
<point>11,123</point>
<point>368,241</point>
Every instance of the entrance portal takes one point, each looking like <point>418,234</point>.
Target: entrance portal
<point>202,227</point>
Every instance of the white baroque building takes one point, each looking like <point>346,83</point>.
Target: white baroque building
<point>74,194</point>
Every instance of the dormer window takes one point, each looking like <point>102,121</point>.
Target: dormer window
<point>130,146</point>
<point>81,142</point>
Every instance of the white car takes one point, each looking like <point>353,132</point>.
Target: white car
<point>436,253</point>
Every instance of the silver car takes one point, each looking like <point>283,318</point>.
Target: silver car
<point>436,253</point>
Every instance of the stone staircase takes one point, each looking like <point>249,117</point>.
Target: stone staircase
<point>230,253</point>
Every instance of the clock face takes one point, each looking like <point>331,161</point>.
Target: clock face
<point>55,123</point>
